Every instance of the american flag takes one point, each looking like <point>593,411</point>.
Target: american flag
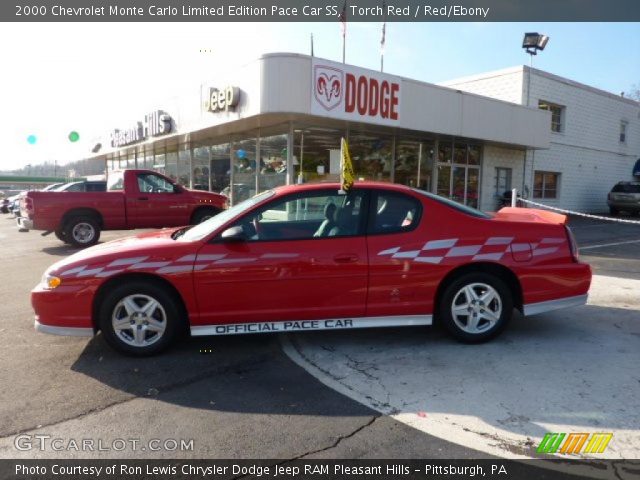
<point>384,26</point>
<point>343,19</point>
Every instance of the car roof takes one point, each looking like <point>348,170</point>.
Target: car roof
<point>335,185</point>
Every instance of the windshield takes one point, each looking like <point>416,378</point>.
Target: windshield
<point>452,204</point>
<point>205,228</point>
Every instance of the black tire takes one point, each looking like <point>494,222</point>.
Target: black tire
<point>613,211</point>
<point>486,329</point>
<point>111,307</point>
<point>60,235</point>
<point>81,231</point>
<point>203,214</point>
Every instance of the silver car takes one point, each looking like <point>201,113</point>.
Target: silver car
<point>624,196</point>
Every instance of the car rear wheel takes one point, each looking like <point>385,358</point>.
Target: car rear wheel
<point>476,307</point>
<point>82,231</point>
<point>139,318</point>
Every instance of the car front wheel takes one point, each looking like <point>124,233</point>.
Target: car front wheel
<point>476,307</point>
<point>139,318</point>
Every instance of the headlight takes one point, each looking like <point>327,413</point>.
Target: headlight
<point>49,282</point>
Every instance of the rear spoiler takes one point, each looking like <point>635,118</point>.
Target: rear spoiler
<point>513,214</point>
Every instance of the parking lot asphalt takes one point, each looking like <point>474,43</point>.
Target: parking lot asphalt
<point>243,398</point>
<point>246,398</point>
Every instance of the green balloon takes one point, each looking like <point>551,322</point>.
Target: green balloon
<point>74,136</point>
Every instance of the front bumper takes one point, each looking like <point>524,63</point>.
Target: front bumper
<point>24,223</point>
<point>66,331</point>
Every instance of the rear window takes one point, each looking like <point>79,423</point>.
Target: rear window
<point>455,205</point>
<point>115,182</point>
<point>626,188</point>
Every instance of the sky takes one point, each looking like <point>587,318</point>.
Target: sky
<point>93,77</point>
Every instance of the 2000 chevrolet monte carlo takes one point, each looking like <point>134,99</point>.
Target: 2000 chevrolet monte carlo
<point>310,257</point>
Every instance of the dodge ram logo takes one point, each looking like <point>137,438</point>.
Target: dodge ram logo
<point>328,82</point>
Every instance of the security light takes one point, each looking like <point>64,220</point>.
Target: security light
<point>533,42</point>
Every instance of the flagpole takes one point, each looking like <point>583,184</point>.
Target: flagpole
<point>343,21</point>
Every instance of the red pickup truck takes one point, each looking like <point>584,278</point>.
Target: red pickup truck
<point>134,199</point>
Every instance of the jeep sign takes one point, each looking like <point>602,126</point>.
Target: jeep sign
<point>222,99</point>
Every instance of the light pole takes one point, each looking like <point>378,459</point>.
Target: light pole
<point>532,43</point>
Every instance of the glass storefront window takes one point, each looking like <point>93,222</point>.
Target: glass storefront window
<point>444,152</point>
<point>460,181</point>
<point>171,163</point>
<point>371,155</point>
<point>316,154</point>
<point>220,168</point>
<point>474,155</point>
<point>414,163</point>
<point>183,165</point>
<point>273,162</point>
<point>244,169</point>
<point>200,168</point>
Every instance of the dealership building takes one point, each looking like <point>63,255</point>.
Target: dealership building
<point>280,118</point>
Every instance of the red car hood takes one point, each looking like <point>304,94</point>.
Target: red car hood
<point>143,244</point>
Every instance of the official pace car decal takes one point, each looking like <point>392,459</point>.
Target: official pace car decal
<point>494,248</point>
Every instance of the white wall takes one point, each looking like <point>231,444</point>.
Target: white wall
<point>588,153</point>
<point>492,157</point>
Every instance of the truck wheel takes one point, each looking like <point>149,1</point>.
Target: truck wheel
<point>139,318</point>
<point>60,235</point>
<point>476,307</point>
<point>203,214</point>
<point>82,231</point>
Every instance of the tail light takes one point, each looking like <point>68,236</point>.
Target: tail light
<point>573,246</point>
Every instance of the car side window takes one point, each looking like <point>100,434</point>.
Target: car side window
<point>394,212</point>
<point>312,215</point>
<point>150,183</point>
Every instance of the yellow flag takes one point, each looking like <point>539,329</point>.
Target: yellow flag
<point>346,167</point>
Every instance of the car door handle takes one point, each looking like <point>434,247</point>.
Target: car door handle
<point>143,198</point>
<point>346,258</point>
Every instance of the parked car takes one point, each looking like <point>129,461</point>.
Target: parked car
<point>624,197</point>
<point>4,205</point>
<point>309,257</point>
<point>134,199</point>
<point>82,186</point>
<point>53,186</point>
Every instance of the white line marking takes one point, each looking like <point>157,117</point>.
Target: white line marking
<point>609,244</point>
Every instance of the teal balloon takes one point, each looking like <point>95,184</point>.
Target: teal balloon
<point>32,139</point>
<point>74,136</point>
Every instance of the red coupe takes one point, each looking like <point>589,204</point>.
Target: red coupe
<point>311,257</point>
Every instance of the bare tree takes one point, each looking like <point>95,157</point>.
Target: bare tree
<point>634,92</point>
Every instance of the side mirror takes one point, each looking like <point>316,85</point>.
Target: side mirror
<point>233,234</point>
<point>177,188</point>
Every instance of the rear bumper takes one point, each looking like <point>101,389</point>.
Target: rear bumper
<point>66,331</point>
<point>549,305</point>
<point>24,223</point>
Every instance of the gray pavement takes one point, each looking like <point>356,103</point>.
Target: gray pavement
<point>247,398</point>
<point>244,399</point>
